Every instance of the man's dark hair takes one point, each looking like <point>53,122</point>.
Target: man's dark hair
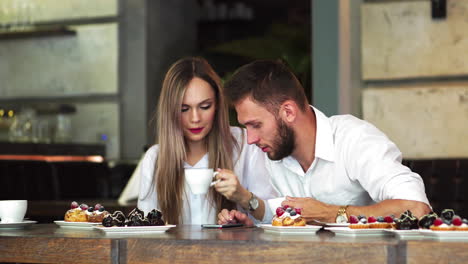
<point>269,83</point>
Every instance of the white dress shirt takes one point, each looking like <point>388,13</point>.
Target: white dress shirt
<point>355,164</point>
<point>249,168</point>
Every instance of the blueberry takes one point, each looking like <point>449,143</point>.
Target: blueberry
<point>465,221</point>
<point>101,209</point>
<point>293,213</point>
<point>288,210</point>
<point>380,219</point>
<point>363,220</point>
<point>361,217</point>
<point>90,209</point>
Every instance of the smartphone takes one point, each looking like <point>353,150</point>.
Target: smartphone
<point>221,226</point>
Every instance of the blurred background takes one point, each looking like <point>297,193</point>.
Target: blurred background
<point>80,79</point>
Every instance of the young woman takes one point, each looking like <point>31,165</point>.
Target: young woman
<point>193,132</point>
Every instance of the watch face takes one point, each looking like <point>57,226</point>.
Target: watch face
<point>253,204</point>
<point>341,219</point>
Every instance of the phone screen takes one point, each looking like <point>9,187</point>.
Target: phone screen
<point>221,226</point>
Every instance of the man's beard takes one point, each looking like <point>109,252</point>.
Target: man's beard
<point>284,142</point>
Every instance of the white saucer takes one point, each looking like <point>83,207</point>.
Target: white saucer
<point>304,230</point>
<point>76,225</point>
<point>134,229</point>
<point>17,225</point>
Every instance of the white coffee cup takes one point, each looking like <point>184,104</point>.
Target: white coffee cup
<point>13,211</point>
<point>199,180</point>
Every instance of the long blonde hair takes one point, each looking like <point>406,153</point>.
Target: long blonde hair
<point>169,167</point>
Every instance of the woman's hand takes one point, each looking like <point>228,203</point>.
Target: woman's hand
<point>230,187</point>
<point>233,217</point>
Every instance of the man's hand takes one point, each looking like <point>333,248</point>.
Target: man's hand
<point>233,217</point>
<point>230,187</point>
<point>313,209</point>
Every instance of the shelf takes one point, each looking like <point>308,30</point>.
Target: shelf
<point>52,149</point>
<point>70,98</point>
<point>38,33</point>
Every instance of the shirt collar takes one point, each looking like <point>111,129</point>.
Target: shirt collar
<point>324,143</point>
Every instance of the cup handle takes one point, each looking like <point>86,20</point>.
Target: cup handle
<point>215,182</point>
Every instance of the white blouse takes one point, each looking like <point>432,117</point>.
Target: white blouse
<point>249,168</point>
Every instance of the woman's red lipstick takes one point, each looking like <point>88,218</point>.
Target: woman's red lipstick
<point>196,130</point>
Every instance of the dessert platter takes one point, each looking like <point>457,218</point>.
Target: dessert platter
<point>447,225</point>
<point>97,218</point>
<point>365,226</point>
<point>289,220</point>
<point>135,222</point>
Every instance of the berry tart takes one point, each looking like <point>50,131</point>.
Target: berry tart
<point>381,222</point>
<point>358,222</point>
<point>84,213</point>
<point>288,216</point>
<point>445,221</point>
<point>440,225</point>
<point>461,225</point>
<point>77,213</point>
<point>96,214</point>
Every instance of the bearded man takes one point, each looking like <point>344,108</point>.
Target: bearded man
<point>331,167</point>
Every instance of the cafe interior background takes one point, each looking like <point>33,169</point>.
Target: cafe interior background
<point>80,79</point>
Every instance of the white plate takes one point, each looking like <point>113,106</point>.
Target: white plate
<point>337,224</point>
<point>346,231</point>
<point>308,229</point>
<point>406,234</point>
<point>457,235</point>
<point>76,225</point>
<point>133,229</point>
<point>18,225</point>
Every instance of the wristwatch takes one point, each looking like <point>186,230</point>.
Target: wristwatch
<point>342,216</point>
<point>253,202</point>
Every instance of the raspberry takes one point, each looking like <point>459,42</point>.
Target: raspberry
<point>353,219</point>
<point>285,206</point>
<point>279,211</point>
<point>97,206</point>
<point>74,205</point>
<point>84,206</point>
<point>456,221</point>
<point>298,210</point>
<point>371,219</point>
<point>438,222</point>
<point>388,219</point>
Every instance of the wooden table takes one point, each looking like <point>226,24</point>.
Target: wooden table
<point>47,243</point>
